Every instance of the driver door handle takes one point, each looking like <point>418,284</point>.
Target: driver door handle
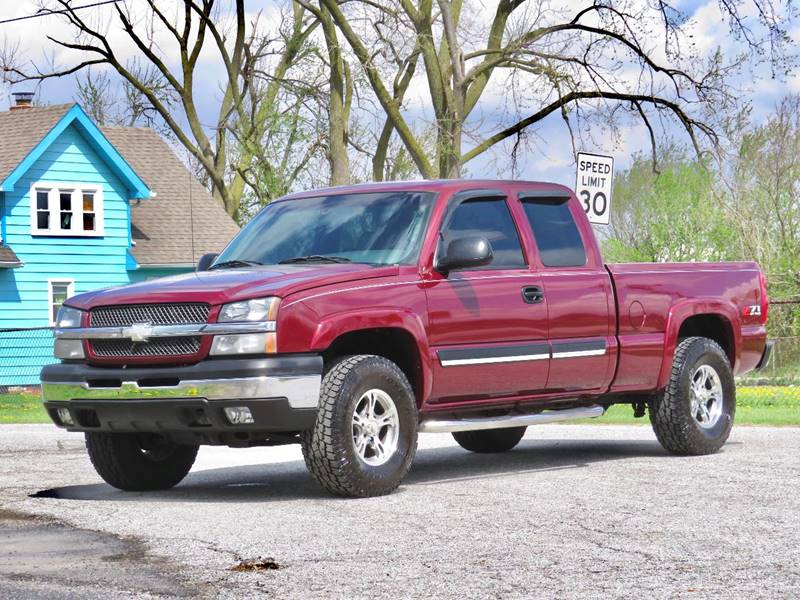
<point>532,294</point>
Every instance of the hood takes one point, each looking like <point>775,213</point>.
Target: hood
<point>230,285</point>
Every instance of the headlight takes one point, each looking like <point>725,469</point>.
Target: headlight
<point>247,311</point>
<point>68,317</point>
<point>244,343</point>
<point>260,309</point>
<point>68,349</point>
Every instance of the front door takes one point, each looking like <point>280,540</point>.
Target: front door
<point>487,325</point>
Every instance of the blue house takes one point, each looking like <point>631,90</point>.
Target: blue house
<point>82,208</point>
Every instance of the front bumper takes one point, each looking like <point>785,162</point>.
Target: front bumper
<point>281,392</point>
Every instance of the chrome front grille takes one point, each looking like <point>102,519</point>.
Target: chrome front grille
<point>176,346</point>
<point>125,315</point>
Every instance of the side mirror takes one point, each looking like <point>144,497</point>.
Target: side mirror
<point>464,253</point>
<point>205,261</point>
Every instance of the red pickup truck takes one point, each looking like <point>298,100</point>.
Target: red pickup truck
<point>350,319</point>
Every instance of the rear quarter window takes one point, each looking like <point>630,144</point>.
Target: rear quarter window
<point>555,231</point>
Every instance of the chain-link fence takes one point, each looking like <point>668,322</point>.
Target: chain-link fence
<point>772,395</point>
<point>783,367</point>
<point>23,353</point>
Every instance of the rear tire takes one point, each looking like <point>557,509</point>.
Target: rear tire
<point>695,414</point>
<point>490,440</point>
<point>358,451</point>
<point>139,462</point>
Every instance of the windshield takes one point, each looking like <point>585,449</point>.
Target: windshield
<point>382,228</point>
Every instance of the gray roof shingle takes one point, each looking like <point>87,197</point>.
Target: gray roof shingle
<point>8,258</point>
<point>183,221</point>
<point>22,129</point>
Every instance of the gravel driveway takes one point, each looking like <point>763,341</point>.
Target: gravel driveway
<point>574,512</point>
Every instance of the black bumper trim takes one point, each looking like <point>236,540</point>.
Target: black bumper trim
<point>765,356</point>
<point>205,418</point>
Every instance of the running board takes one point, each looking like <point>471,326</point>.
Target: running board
<point>548,416</point>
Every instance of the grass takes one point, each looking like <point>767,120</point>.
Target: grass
<point>755,405</point>
<point>22,408</point>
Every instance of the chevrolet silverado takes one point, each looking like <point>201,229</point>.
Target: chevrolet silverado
<point>351,319</point>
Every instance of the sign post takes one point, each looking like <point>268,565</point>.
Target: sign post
<point>593,185</point>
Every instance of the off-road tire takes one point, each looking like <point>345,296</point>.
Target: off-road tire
<point>328,447</point>
<point>670,413</point>
<point>489,441</point>
<point>120,460</point>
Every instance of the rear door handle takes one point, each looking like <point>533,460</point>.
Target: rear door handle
<point>532,294</point>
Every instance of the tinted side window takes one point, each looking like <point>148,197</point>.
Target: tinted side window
<point>490,218</point>
<point>555,231</point>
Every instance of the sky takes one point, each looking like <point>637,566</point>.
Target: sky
<point>550,160</point>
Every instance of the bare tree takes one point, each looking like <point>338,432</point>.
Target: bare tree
<point>611,54</point>
<point>390,160</point>
<point>255,66</point>
<point>340,101</point>
<point>96,95</point>
<point>111,102</point>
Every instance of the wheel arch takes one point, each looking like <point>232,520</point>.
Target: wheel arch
<point>713,319</point>
<point>399,337</point>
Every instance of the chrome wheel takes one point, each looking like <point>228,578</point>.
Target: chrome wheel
<point>706,397</point>
<point>376,426</point>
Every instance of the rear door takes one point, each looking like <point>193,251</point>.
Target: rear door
<point>578,292</point>
<point>487,325</point>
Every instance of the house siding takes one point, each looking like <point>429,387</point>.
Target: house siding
<point>143,273</point>
<point>91,262</point>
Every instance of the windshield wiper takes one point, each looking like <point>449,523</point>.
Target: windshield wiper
<point>314,258</point>
<point>227,264</point>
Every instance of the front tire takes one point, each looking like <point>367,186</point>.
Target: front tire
<point>139,462</point>
<point>695,414</point>
<point>490,440</point>
<point>365,436</point>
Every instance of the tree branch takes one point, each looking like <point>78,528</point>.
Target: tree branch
<point>688,123</point>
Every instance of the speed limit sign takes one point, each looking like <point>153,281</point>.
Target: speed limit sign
<point>593,185</point>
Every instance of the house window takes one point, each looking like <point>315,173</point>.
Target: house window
<point>58,292</point>
<point>66,209</point>
<point>89,216</point>
<point>42,210</point>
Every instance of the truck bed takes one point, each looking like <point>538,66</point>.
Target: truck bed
<point>652,299</point>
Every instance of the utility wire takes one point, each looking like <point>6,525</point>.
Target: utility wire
<point>46,12</point>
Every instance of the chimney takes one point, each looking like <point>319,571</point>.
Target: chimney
<point>22,100</point>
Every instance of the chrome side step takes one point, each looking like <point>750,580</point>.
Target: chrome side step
<point>547,416</point>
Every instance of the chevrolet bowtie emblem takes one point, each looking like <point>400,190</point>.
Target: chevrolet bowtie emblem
<point>138,332</point>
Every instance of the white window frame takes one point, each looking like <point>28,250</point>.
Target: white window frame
<point>54,190</point>
<point>70,283</point>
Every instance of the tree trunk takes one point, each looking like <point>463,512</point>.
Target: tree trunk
<point>338,106</point>
<point>449,147</point>
<point>381,152</point>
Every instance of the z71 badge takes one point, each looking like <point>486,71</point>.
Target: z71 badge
<point>753,310</point>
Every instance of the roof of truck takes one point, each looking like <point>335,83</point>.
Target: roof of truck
<point>423,185</point>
